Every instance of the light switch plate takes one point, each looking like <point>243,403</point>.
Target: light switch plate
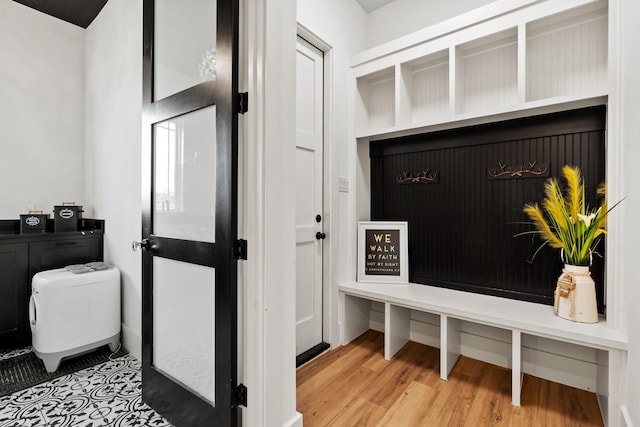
<point>343,184</point>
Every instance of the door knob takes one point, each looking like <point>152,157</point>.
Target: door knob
<point>144,245</point>
<point>320,236</point>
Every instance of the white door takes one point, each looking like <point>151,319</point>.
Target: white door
<point>309,176</point>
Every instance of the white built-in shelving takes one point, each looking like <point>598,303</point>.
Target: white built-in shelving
<point>543,55</point>
<point>507,59</point>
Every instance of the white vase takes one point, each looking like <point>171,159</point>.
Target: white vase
<point>575,295</point>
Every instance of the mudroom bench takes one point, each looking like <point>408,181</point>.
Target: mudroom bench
<point>453,307</point>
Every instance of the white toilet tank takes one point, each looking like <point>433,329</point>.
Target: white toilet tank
<point>72,313</point>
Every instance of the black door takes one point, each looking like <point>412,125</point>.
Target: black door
<point>189,211</point>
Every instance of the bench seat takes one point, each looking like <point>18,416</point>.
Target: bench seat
<point>454,306</point>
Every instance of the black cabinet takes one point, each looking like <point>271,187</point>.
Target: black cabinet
<point>60,252</point>
<point>14,276</point>
<point>21,257</point>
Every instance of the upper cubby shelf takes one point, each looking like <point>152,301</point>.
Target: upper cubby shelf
<point>424,89</point>
<point>543,55</point>
<point>567,53</point>
<point>376,99</point>
<point>487,72</point>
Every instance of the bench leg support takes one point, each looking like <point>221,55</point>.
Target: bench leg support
<point>614,376</point>
<point>516,367</point>
<point>450,343</point>
<point>355,317</point>
<point>396,329</point>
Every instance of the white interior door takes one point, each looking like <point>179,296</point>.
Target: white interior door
<point>309,194</point>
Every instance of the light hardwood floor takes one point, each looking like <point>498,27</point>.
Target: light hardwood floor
<point>354,386</point>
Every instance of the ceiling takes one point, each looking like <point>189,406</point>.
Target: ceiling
<point>371,5</point>
<point>83,12</point>
<point>77,12</point>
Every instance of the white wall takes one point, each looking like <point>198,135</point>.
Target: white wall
<point>113,146</point>
<point>41,111</point>
<point>341,27</point>
<point>402,17</point>
<point>629,136</point>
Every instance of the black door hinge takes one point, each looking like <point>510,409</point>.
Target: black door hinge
<point>241,395</point>
<point>241,249</point>
<point>243,102</point>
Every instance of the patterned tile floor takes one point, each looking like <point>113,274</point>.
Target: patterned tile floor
<point>104,395</point>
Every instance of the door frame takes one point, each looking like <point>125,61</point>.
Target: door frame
<point>329,205</point>
<point>268,187</point>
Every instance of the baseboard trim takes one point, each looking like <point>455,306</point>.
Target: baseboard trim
<point>313,352</point>
<point>296,421</point>
<point>603,403</point>
<point>626,418</point>
<point>132,341</point>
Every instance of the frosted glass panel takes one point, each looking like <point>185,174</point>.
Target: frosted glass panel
<point>184,324</point>
<point>184,45</point>
<point>185,176</point>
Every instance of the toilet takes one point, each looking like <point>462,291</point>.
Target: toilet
<point>73,311</point>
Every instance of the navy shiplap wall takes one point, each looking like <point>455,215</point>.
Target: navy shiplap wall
<point>462,227</point>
